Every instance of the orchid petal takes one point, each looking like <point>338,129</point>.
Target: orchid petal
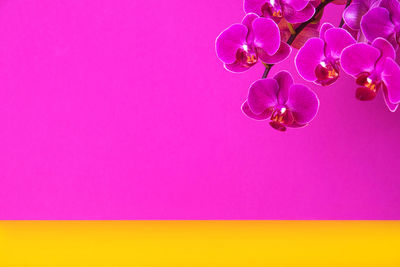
<point>376,23</point>
<point>267,36</point>
<point>354,33</point>
<point>297,4</point>
<point>285,81</point>
<point>294,16</point>
<point>386,49</point>
<point>390,77</point>
<point>359,58</point>
<point>229,41</point>
<point>303,102</point>
<point>254,6</point>
<point>248,22</point>
<point>263,116</point>
<point>280,55</point>
<point>336,40</point>
<point>263,94</point>
<point>326,26</point>
<point>308,57</point>
<point>353,13</point>
<point>392,107</point>
<point>393,6</point>
<point>236,67</point>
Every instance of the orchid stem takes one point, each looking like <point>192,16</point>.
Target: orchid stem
<point>298,30</point>
<point>342,21</point>
<point>267,69</point>
<point>291,29</point>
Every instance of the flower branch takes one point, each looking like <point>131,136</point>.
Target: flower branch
<point>365,45</point>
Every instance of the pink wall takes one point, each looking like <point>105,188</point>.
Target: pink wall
<point>121,110</point>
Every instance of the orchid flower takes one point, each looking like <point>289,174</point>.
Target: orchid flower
<point>374,68</point>
<point>318,60</point>
<point>281,101</point>
<point>383,21</point>
<point>356,10</point>
<point>294,11</point>
<point>241,45</point>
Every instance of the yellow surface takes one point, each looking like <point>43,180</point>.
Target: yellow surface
<point>200,243</point>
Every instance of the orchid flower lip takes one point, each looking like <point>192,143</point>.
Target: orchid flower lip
<point>272,8</point>
<point>327,72</point>
<point>246,56</point>
<point>281,117</point>
<point>368,87</point>
<point>277,126</point>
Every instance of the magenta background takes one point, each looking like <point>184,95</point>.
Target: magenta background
<point>121,110</point>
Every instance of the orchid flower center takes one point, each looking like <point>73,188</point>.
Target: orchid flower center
<point>273,8</point>
<point>247,56</point>
<point>368,87</point>
<point>327,72</point>
<point>281,117</point>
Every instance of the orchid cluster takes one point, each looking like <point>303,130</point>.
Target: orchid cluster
<point>365,45</point>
